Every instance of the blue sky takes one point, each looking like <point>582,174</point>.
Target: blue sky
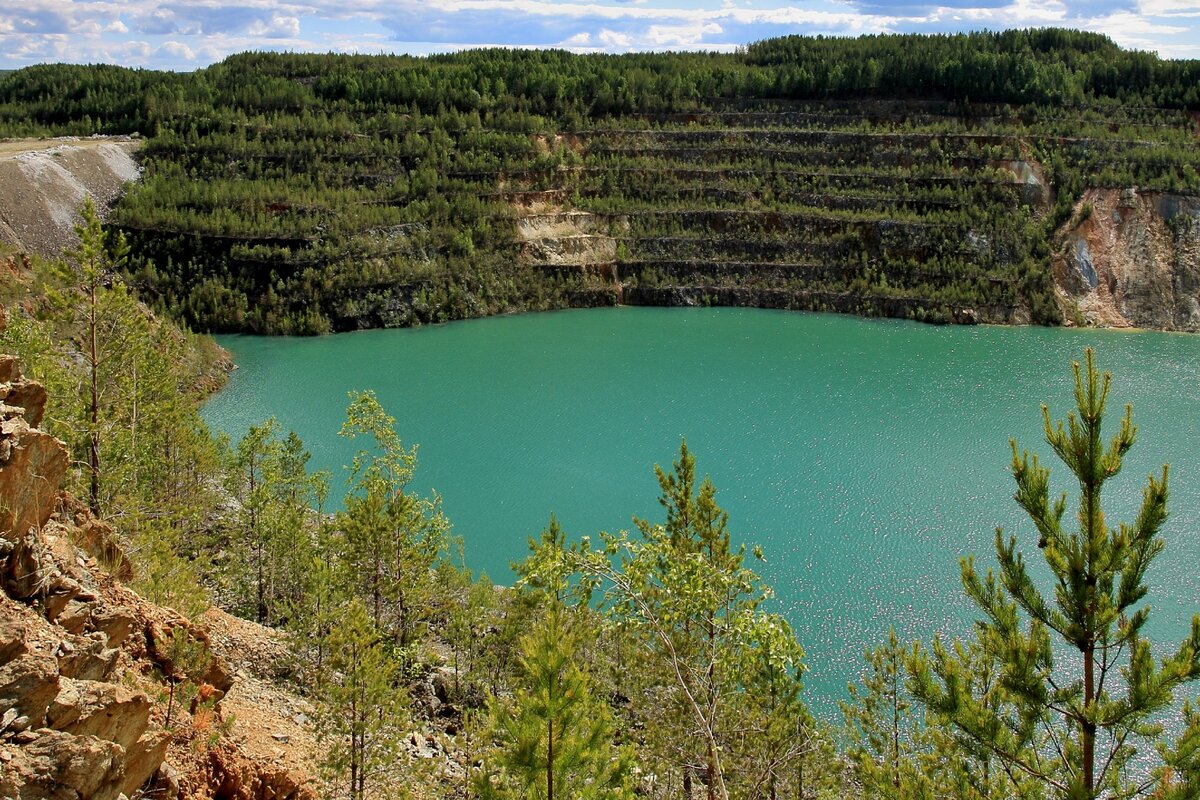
<point>185,34</point>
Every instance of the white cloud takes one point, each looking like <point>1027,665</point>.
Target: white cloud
<point>680,35</point>
<point>614,40</point>
<point>581,39</point>
<point>201,31</point>
<point>178,50</point>
<point>1169,8</point>
<point>277,27</point>
<point>1130,30</point>
<point>1013,15</point>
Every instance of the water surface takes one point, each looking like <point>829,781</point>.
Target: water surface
<point>864,456</point>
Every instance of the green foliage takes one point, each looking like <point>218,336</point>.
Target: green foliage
<point>1077,690</point>
<point>392,537</point>
<point>884,732</point>
<point>690,605</point>
<point>300,193</point>
<point>141,454</point>
<point>270,541</point>
<point>188,660</point>
<point>363,709</point>
<point>555,739</point>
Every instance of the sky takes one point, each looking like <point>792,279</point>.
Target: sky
<point>187,34</point>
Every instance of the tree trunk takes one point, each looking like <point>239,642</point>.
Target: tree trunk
<point>895,719</point>
<point>94,444</point>
<point>712,771</point>
<point>1089,728</point>
<point>550,761</point>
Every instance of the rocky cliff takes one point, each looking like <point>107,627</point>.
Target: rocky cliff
<point>1131,259</point>
<point>95,700</point>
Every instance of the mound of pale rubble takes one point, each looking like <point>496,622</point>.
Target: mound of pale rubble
<point>43,183</point>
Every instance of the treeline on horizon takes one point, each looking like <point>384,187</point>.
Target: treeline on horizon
<point>298,193</point>
<point>1046,66</point>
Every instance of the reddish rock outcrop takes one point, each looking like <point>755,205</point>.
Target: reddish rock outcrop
<point>85,663</point>
<point>1130,258</point>
<point>32,467</point>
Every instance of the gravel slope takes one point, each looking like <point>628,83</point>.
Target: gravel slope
<point>43,183</point>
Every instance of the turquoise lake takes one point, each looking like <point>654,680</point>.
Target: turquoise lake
<point>864,456</point>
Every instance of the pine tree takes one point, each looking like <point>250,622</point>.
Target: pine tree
<point>697,527</point>
<point>556,740</point>
<point>685,596</point>
<point>95,261</point>
<point>272,540</point>
<point>773,731</point>
<point>1077,685</point>
<point>884,733</point>
<point>363,708</point>
<point>393,537</point>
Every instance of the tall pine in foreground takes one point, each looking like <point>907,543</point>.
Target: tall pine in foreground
<point>556,739</point>
<point>1079,687</point>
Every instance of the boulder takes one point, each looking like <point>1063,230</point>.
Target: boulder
<point>106,711</point>
<point>28,396</point>
<point>59,766</point>
<point>28,684</point>
<point>32,467</point>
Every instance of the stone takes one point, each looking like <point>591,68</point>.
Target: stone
<point>31,398</point>
<point>10,368</point>
<point>23,574</point>
<point>91,661</point>
<point>14,638</point>
<point>55,603</point>
<point>29,683</point>
<point>74,766</point>
<point>144,759</point>
<point>114,622</point>
<point>102,710</point>
<point>166,780</point>
<point>30,477</point>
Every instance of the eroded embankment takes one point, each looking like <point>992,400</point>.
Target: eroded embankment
<point>43,183</point>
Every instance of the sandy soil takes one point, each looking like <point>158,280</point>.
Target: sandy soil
<point>273,724</point>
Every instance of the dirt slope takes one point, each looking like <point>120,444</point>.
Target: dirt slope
<point>43,183</point>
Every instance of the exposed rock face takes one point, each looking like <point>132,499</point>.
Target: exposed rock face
<point>1132,260</point>
<point>1035,189</point>
<point>82,658</point>
<point>32,463</point>
<point>565,238</point>
<point>72,728</point>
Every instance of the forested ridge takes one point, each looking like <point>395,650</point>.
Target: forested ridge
<point>900,175</point>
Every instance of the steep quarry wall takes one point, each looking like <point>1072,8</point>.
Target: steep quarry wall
<point>85,663</point>
<point>43,183</point>
<point>1131,259</point>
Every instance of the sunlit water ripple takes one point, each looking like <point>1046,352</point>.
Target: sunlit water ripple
<point>864,456</point>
